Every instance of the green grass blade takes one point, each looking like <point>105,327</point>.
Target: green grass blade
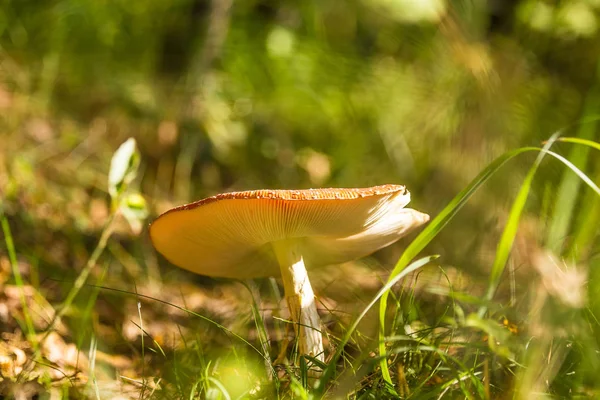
<point>576,170</point>
<point>431,231</point>
<point>512,225</point>
<point>584,232</point>
<point>259,323</point>
<point>330,370</point>
<point>585,142</point>
<point>92,363</point>
<point>220,386</point>
<point>568,192</point>
<point>505,245</point>
<point>12,255</point>
<point>510,230</point>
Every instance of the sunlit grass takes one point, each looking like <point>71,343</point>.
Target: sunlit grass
<point>472,349</point>
<point>285,95</point>
<point>463,353</point>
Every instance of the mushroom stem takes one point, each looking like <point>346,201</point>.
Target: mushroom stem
<point>301,299</point>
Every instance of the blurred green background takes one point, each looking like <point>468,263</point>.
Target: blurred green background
<point>234,95</point>
<point>256,94</point>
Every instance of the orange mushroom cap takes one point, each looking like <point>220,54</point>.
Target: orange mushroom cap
<point>230,235</point>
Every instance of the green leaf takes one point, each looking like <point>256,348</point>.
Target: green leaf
<point>135,210</point>
<point>498,336</point>
<point>123,167</point>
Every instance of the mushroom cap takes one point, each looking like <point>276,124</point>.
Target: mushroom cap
<point>231,235</point>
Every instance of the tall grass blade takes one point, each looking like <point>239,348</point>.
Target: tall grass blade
<point>92,364</point>
<point>568,189</point>
<point>330,370</point>
<point>431,231</point>
<point>438,223</point>
<point>589,217</point>
<point>585,142</point>
<point>12,255</point>
<point>579,173</point>
<point>259,323</point>
<point>512,225</point>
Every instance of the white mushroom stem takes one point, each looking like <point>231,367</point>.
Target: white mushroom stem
<point>300,298</point>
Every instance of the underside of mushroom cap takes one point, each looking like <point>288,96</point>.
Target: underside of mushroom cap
<point>231,235</point>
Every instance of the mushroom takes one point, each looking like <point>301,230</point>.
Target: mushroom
<point>278,233</point>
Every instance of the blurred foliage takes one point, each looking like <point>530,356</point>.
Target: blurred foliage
<point>259,94</point>
<point>228,95</point>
